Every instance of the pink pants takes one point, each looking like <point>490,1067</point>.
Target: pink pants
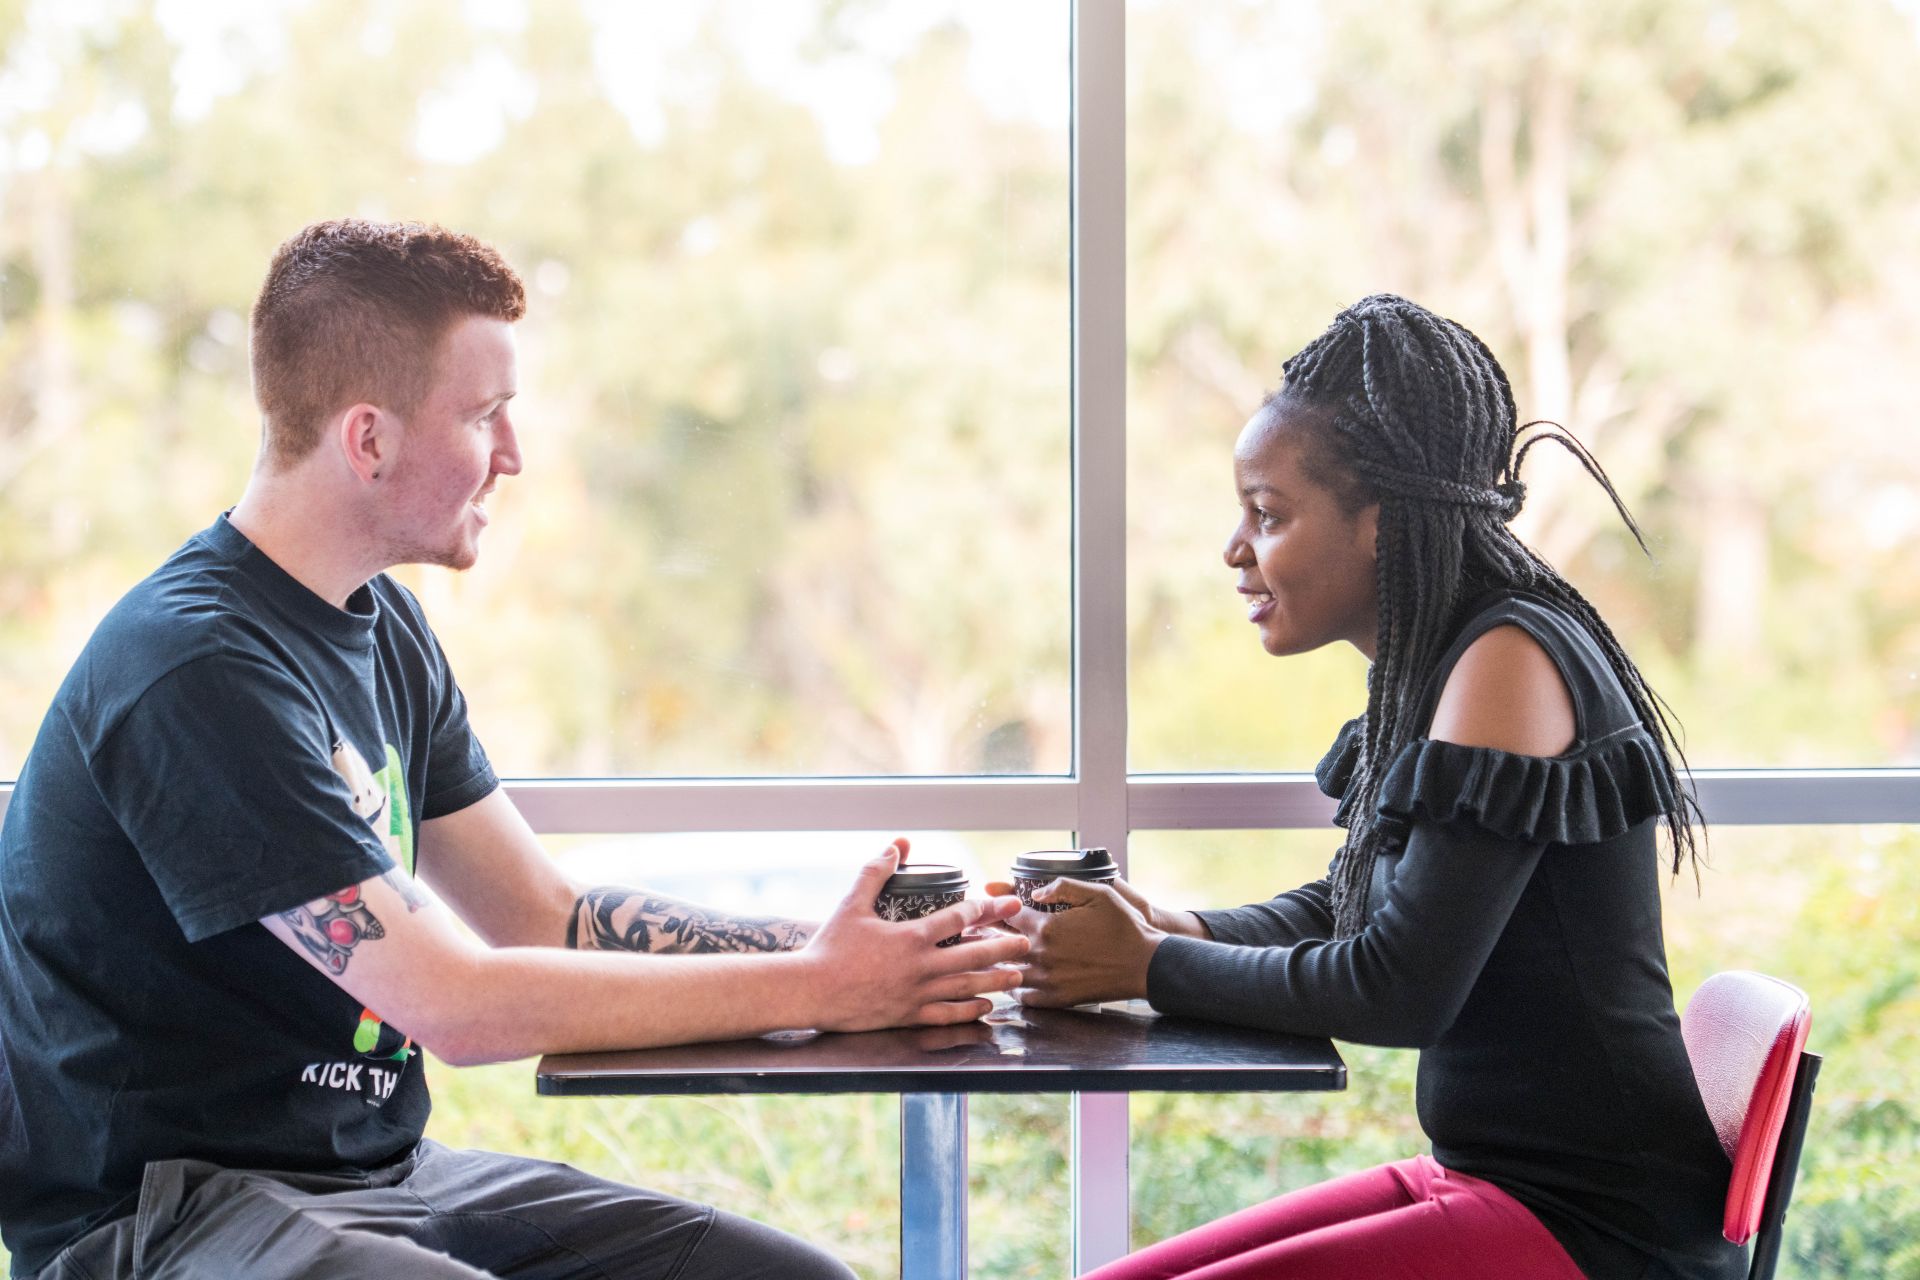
<point>1412,1220</point>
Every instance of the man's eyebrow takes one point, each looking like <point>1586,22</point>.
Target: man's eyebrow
<point>1247,491</point>
<point>497,399</point>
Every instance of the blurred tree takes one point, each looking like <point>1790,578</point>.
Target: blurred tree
<point>1663,217</point>
<point>797,423</point>
<point>764,375</point>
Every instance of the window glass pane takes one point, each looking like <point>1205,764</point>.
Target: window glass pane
<point>1019,1220</point>
<point>794,873</point>
<point>1198,1156</point>
<point>794,376</point>
<point>1775,899</point>
<point>825,1168</point>
<point>1643,209</point>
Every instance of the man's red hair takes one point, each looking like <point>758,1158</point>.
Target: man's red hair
<point>354,311</point>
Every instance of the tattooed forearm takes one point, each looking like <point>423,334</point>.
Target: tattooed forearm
<point>612,918</point>
<point>331,927</point>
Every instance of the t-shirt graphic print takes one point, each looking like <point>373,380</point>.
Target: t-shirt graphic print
<point>332,925</point>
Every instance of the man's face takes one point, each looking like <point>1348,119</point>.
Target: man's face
<point>454,447</point>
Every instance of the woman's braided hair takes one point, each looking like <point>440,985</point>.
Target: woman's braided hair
<point>1410,410</point>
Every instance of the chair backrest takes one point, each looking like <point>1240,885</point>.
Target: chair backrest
<point>1786,1161</point>
<point>1745,1033</point>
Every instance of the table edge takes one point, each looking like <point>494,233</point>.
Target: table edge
<point>1331,1078</point>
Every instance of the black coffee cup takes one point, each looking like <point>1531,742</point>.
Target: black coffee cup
<point>1031,870</point>
<point>917,891</point>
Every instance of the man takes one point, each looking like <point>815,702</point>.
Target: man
<point>219,934</point>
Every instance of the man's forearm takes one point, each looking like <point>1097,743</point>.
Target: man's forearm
<point>619,918</point>
<point>469,1002</point>
<point>518,1001</point>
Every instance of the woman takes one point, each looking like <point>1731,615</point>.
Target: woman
<point>1496,902</point>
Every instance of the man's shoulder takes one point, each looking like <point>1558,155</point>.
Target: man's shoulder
<point>187,610</point>
<point>182,610</point>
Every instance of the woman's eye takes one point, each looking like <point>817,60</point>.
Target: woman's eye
<point>1265,518</point>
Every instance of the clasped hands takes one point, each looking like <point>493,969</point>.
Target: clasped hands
<point>873,974</point>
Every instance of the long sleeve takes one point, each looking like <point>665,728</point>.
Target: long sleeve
<point>1294,916</point>
<point>1514,939</point>
<point>1401,982</point>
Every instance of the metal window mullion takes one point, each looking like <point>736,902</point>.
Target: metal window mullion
<point>1728,797</point>
<point>1100,1140</point>
<point>1154,802</point>
<point>620,806</point>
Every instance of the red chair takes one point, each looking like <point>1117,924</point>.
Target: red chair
<point>1746,1035</point>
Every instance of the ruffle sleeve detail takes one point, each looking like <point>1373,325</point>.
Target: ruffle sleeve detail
<point>1335,769</point>
<point>1599,792</point>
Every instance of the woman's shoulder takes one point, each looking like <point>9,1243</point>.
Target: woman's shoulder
<point>1506,692</point>
<point>1508,634</point>
<point>1512,636</point>
<point>1599,777</point>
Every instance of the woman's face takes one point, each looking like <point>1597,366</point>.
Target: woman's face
<point>1306,566</point>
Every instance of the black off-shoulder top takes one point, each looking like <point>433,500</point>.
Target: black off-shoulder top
<point>1513,938</point>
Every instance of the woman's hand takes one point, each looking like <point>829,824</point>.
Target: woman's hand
<point>1096,950</point>
<point>1184,923</point>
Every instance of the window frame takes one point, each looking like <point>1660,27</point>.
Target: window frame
<point>1100,800</point>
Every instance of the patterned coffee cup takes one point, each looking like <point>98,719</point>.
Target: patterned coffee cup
<point>1031,870</point>
<point>914,892</point>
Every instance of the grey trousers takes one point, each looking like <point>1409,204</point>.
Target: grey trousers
<point>438,1215</point>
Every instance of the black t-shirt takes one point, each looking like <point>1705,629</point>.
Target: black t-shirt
<point>228,746</point>
<point>1514,938</point>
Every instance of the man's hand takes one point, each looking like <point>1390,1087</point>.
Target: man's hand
<point>871,973</point>
<point>1099,949</point>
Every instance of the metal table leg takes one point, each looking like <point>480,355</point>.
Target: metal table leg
<point>1099,1172</point>
<point>933,1186</point>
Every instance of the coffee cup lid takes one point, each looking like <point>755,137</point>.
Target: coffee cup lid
<point>926,877</point>
<point>1075,864</point>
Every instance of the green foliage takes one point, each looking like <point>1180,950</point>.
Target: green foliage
<point>1199,1156</point>
<point>777,516</point>
<point>797,494</point>
<point>1834,910</point>
<point>823,1168</point>
<point>1855,947</point>
<point>1646,211</point>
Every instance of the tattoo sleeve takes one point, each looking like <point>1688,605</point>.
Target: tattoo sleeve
<point>613,918</point>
